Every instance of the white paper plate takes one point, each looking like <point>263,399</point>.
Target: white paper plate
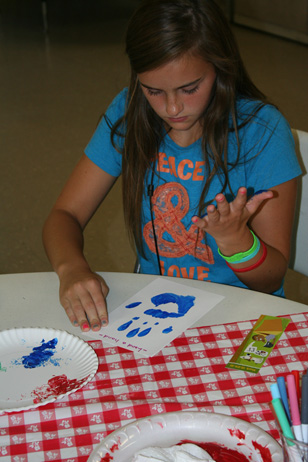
<point>38,366</point>
<point>166,430</point>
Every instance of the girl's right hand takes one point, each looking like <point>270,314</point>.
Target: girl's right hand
<point>83,296</point>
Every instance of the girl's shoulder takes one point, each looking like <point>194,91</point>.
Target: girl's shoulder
<point>250,109</point>
<point>254,117</point>
<point>118,104</point>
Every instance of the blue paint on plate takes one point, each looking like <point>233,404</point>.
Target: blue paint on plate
<point>41,355</point>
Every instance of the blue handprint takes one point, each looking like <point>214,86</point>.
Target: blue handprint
<point>184,304</point>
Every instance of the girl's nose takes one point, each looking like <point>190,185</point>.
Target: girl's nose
<point>173,106</point>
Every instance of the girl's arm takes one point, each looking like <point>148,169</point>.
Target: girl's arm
<point>82,292</point>
<point>270,215</point>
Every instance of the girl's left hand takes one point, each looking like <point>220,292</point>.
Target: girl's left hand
<point>227,223</point>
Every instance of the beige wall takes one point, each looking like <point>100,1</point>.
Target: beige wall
<point>284,17</point>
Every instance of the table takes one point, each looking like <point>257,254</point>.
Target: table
<point>189,374</point>
<point>31,299</point>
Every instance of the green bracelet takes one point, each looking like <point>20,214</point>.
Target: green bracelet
<point>237,257</point>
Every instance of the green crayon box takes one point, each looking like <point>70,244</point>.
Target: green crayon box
<point>258,344</point>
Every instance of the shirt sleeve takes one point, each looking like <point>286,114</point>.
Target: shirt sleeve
<point>100,148</point>
<point>270,157</point>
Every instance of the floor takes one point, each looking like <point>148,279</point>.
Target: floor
<point>53,89</point>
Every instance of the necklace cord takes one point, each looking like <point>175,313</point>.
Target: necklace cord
<point>150,194</point>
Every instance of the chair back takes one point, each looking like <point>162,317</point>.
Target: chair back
<point>299,246</point>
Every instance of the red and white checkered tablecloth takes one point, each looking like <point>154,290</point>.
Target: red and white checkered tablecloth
<point>189,374</point>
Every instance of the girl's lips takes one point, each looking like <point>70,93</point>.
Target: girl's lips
<point>177,119</point>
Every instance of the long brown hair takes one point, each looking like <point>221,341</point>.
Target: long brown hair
<point>161,31</point>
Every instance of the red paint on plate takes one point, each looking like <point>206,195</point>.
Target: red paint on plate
<point>221,453</point>
<point>56,386</point>
<point>265,452</point>
<point>218,452</point>
<point>236,432</point>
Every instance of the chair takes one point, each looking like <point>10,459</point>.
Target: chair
<point>299,247</point>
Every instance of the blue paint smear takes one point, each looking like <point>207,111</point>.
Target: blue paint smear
<point>133,305</point>
<point>40,355</point>
<point>183,302</point>
<point>125,325</point>
<point>168,330</point>
<point>133,332</point>
<point>145,332</point>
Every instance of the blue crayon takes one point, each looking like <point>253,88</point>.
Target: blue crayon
<point>284,396</point>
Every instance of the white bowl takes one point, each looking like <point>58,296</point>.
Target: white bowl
<point>164,430</point>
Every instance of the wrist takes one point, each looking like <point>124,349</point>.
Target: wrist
<point>254,263</point>
<point>241,244</point>
<point>79,265</point>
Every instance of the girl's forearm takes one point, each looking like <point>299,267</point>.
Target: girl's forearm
<point>268,276</point>
<point>63,242</point>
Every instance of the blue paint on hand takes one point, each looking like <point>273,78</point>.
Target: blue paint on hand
<point>40,355</point>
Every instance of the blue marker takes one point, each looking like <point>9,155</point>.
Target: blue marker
<point>284,396</point>
<point>275,391</point>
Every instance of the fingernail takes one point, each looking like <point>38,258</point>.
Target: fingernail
<point>104,322</point>
<point>96,326</point>
<point>85,326</point>
<point>75,323</point>
<point>194,219</point>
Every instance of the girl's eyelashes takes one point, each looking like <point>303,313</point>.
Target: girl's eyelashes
<point>191,91</point>
<point>152,92</point>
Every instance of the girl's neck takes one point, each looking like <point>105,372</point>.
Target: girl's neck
<point>185,138</point>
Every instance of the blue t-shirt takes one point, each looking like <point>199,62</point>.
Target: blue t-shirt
<point>267,159</point>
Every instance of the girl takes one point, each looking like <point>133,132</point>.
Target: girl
<point>208,165</point>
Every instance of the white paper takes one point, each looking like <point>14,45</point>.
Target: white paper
<point>155,316</point>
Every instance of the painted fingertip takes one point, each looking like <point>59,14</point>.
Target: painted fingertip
<point>104,322</point>
<point>260,191</point>
<point>85,326</point>
<point>75,323</point>
<point>194,219</point>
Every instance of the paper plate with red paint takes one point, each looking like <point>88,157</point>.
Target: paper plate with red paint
<point>223,437</point>
<point>38,366</point>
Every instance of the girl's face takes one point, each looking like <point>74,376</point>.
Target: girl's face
<point>179,92</point>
